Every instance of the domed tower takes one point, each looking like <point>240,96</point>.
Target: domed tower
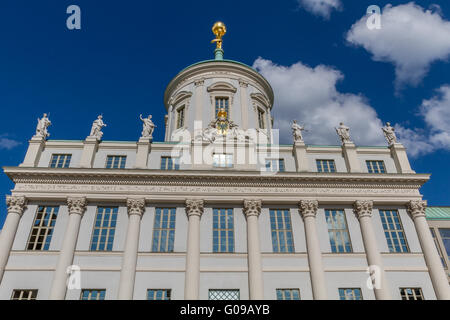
<point>195,98</point>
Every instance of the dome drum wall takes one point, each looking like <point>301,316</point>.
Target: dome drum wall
<point>193,97</point>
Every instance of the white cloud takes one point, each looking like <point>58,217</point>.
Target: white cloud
<point>410,37</point>
<point>310,96</point>
<point>436,114</point>
<point>321,8</point>
<point>8,144</point>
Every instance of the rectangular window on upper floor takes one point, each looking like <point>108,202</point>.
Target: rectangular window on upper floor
<point>438,247</point>
<point>60,160</point>
<point>350,294</point>
<point>275,165</point>
<point>393,231</point>
<point>280,224</point>
<point>411,294</point>
<point>375,166</point>
<point>116,162</point>
<point>164,230</point>
<point>169,163</point>
<point>158,294</point>
<point>223,160</point>
<point>93,294</point>
<point>325,166</point>
<point>261,119</point>
<point>223,230</point>
<point>104,229</point>
<point>24,294</point>
<point>288,294</point>
<point>338,231</point>
<point>445,236</point>
<point>180,117</point>
<point>42,230</point>
<point>222,103</point>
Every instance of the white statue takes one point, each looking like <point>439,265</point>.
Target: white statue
<point>297,131</point>
<point>343,132</point>
<point>97,127</point>
<point>389,133</point>
<point>210,132</point>
<point>148,127</point>
<point>41,129</point>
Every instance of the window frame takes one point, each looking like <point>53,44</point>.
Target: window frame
<point>65,163</point>
<point>226,230</point>
<point>380,211</point>
<point>168,230</point>
<point>282,290</point>
<point>105,249</point>
<point>48,229</point>
<point>180,110</point>
<point>278,161</point>
<point>122,161</point>
<point>370,165</point>
<point>336,231</point>
<point>227,164</point>
<point>284,230</point>
<point>322,167</point>
<point>175,163</point>
<point>167,294</point>
<point>260,111</point>
<point>353,292</point>
<point>32,294</point>
<point>238,291</point>
<point>413,293</point>
<point>90,292</point>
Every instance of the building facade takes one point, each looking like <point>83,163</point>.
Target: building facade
<point>219,210</point>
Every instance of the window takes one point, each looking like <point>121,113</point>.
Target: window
<point>350,294</point>
<point>275,165</point>
<point>164,230</point>
<point>438,247</point>
<point>338,231</point>
<point>227,294</point>
<point>445,235</point>
<point>261,119</point>
<point>24,294</point>
<point>116,162</point>
<point>393,230</point>
<point>104,229</point>
<point>158,294</point>
<point>411,294</point>
<point>169,163</point>
<point>223,230</point>
<point>288,294</point>
<point>42,230</point>
<point>93,294</point>
<point>280,223</point>
<point>375,166</point>
<point>223,160</point>
<point>180,117</point>
<point>222,102</point>
<point>60,160</point>
<point>325,166</point>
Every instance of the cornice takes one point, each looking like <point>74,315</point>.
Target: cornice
<point>213,178</point>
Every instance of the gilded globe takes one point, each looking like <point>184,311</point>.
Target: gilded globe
<point>219,29</point>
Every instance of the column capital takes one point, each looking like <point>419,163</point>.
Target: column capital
<point>77,205</point>
<point>363,208</point>
<point>416,208</point>
<point>16,204</point>
<point>194,207</point>
<point>136,206</point>
<point>252,208</point>
<point>243,83</point>
<point>308,208</point>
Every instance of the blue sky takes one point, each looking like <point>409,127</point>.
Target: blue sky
<point>126,53</point>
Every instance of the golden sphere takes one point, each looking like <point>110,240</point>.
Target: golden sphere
<point>219,29</point>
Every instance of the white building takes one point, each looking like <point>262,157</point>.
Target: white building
<point>225,213</point>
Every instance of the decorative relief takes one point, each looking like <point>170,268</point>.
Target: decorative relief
<point>416,208</point>
<point>77,205</point>
<point>194,207</point>
<point>363,208</point>
<point>16,204</point>
<point>136,206</point>
<point>308,208</point>
<point>252,208</point>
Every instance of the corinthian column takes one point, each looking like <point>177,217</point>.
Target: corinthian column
<point>194,211</point>
<point>438,277</point>
<point>136,208</point>
<point>77,207</point>
<point>363,211</point>
<point>252,210</point>
<point>308,211</point>
<point>16,207</point>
